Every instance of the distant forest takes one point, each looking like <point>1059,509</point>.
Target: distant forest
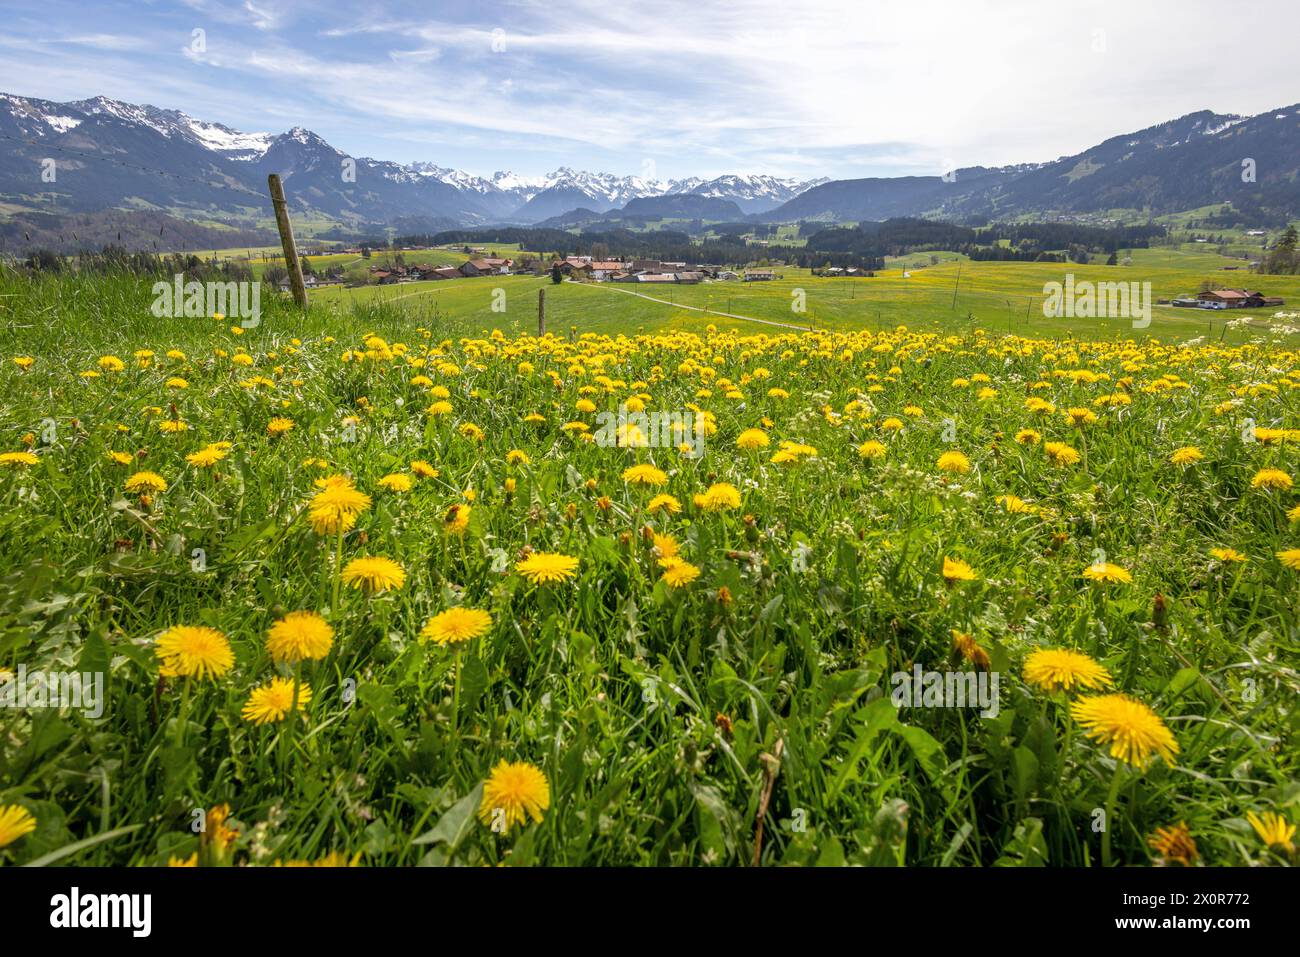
<point>865,245</point>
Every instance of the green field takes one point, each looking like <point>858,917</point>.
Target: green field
<point>365,584</point>
<point>1001,297</point>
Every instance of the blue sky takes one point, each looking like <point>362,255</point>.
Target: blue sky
<point>670,89</point>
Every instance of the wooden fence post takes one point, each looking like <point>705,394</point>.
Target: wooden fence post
<point>282,223</point>
<point>541,313</point>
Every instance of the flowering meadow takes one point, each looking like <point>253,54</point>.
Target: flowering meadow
<point>388,596</point>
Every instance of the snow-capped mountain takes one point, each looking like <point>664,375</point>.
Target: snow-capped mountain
<point>313,170</point>
<point>169,162</point>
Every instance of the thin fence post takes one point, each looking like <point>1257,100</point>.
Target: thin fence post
<point>541,313</point>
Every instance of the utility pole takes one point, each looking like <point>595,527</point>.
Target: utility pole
<point>286,240</point>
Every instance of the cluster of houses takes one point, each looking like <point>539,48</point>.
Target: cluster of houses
<point>652,271</point>
<point>587,268</point>
<point>1228,299</point>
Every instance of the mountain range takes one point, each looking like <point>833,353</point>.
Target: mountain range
<point>82,158</point>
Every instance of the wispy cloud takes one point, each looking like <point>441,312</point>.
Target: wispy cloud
<point>794,87</point>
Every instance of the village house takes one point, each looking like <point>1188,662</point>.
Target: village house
<point>1236,299</point>
<point>605,269</point>
<point>486,267</point>
<point>758,275</point>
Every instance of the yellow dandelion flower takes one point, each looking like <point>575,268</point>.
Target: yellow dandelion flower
<point>1187,455</point>
<point>542,568</point>
<point>1106,573</point>
<point>1060,453</point>
<point>279,426</point>
<point>396,482</point>
<point>752,439</point>
<point>645,474</point>
<point>1271,479</point>
<point>274,700</point>
<point>1059,669</point>
<point>193,651</point>
<point>1273,829</point>
<point>678,573</point>
<point>953,462</point>
<point>299,636</point>
<point>374,574</point>
<point>456,625</point>
<point>1134,732</point>
<point>15,822</point>
<point>513,793</point>
<point>145,483</point>
<point>664,503</point>
<point>956,570</point>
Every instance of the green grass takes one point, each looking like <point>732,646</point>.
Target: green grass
<point>654,712</point>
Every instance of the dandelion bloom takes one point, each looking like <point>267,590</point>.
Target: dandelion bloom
<point>274,700</point>
<point>209,455</point>
<point>1106,574</point>
<point>517,457</point>
<point>193,651</point>
<point>423,469</point>
<point>514,792</point>
<point>17,459</point>
<point>396,482</point>
<point>953,462</point>
<point>956,570</point>
<point>1134,732</point>
<point>15,822</point>
<point>1273,829</point>
<point>1060,453</point>
<point>1014,504</point>
<point>1174,844</point>
<point>336,506</point>
<point>1059,669</point>
<point>1294,514</point>
<point>752,439</point>
<point>1290,558</point>
<point>719,497</point>
<point>121,458</point>
<point>1029,437</point>
<point>1271,479</point>
<point>173,426</point>
<point>145,483</point>
<point>679,573</point>
<point>872,450</point>
<point>1187,455</point>
<point>456,520</point>
<point>645,475</point>
<point>111,364</point>
<point>278,426</point>
<point>456,625</point>
<point>1081,416</point>
<point>1227,555</point>
<point>542,568</point>
<point>299,636</point>
<point>374,574</point>
<point>664,503</point>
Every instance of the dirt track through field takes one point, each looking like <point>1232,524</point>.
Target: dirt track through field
<point>710,312</point>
